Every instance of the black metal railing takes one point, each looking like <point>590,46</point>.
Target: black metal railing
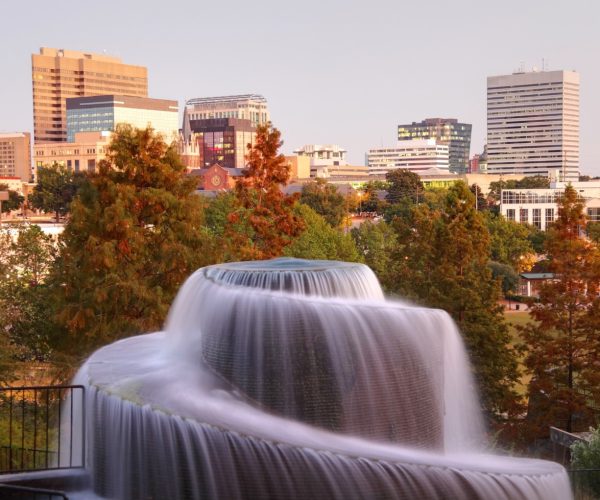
<point>585,483</point>
<point>14,492</point>
<point>42,428</point>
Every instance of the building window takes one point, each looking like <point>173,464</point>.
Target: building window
<point>537,217</point>
<point>593,214</point>
<point>523,215</point>
<point>549,216</point>
<point>91,165</point>
<point>76,165</point>
<point>510,214</point>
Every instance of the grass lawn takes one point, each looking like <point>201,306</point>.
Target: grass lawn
<point>514,319</point>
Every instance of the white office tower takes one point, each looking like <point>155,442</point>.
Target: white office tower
<point>533,124</point>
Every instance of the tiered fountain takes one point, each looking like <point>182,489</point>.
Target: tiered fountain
<point>295,379</point>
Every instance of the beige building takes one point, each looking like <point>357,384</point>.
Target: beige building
<point>299,167</point>
<point>58,74</point>
<point>15,155</point>
<point>82,155</point>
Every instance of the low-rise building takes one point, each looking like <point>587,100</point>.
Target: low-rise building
<point>82,155</point>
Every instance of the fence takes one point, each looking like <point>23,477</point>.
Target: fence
<point>13,492</point>
<point>41,428</point>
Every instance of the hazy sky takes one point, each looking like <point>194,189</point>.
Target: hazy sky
<point>342,72</point>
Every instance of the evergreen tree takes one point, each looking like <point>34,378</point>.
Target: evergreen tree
<point>563,343</point>
<point>135,233</point>
<point>403,184</point>
<point>264,221</point>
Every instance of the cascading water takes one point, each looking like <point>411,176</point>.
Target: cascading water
<point>295,379</point>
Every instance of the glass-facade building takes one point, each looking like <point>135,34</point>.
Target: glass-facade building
<point>223,141</point>
<point>447,131</point>
<point>103,113</point>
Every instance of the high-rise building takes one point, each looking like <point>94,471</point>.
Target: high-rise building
<point>417,156</point>
<point>251,107</point>
<point>448,131</point>
<point>99,113</point>
<point>533,124</point>
<point>58,74</point>
<point>15,155</point>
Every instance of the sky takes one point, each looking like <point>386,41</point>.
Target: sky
<point>333,72</point>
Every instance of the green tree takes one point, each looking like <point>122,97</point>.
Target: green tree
<point>442,261</point>
<point>528,182</point>
<point>593,231</point>
<point>563,341</point>
<point>403,184</point>
<point>26,258</point>
<point>509,240</point>
<point>14,202</point>
<point>369,198</point>
<point>376,243</point>
<point>585,456</point>
<point>56,187</point>
<point>506,275</point>
<point>320,240</point>
<point>135,233</point>
<point>325,199</point>
<point>263,222</point>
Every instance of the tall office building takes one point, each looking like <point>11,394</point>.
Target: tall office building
<point>418,155</point>
<point>533,124</point>
<point>15,155</point>
<point>100,113</point>
<point>58,74</point>
<point>447,131</point>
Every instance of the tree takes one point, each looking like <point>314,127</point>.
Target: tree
<point>134,234</point>
<point>56,187</point>
<point>481,200</point>
<point>325,199</point>
<point>509,240</point>
<point>403,184</point>
<point>14,202</point>
<point>369,199</point>
<point>528,182</point>
<point>508,277</point>
<point>320,240</point>
<point>593,231</point>
<point>376,243</point>
<point>585,457</point>
<point>263,222</point>
<point>442,261</point>
<point>26,257</point>
<point>563,342</point>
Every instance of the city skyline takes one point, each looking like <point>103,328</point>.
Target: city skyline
<point>348,76</point>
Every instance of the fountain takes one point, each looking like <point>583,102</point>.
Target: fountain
<point>295,379</point>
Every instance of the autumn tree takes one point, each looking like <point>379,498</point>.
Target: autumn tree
<point>509,241</point>
<point>563,341</point>
<point>135,233</point>
<point>55,189</point>
<point>263,222</point>
<point>325,199</point>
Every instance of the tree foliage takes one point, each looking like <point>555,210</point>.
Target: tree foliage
<point>509,240</point>
<point>263,222</point>
<point>325,199</point>
<point>14,202</point>
<point>403,184</point>
<point>585,456</point>
<point>320,240</point>
<point>528,182</point>
<point>56,188</point>
<point>563,343</point>
<point>442,261</point>
<point>135,233</point>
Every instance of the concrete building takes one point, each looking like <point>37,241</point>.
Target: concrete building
<point>58,74</point>
<point>82,155</point>
<point>299,167</point>
<point>417,155</point>
<point>99,113</point>
<point>15,155</point>
<point>539,208</point>
<point>533,124</point>
<point>448,131</point>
